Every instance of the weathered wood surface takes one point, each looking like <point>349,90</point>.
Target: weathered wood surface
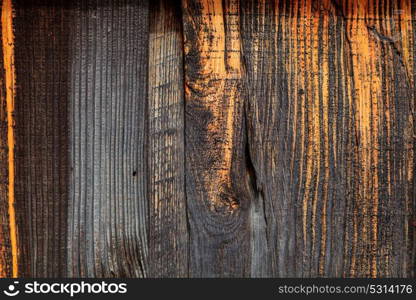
<point>332,134</point>
<point>207,138</point>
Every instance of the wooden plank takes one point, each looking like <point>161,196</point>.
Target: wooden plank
<point>168,233</point>
<point>217,177</point>
<point>108,97</point>
<point>286,50</point>
<point>8,228</point>
<point>330,118</point>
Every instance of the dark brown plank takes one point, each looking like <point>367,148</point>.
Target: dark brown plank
<point>41,126</point>
<point>168,233</point>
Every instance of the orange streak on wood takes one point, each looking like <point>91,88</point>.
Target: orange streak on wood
<point>290,67</point>
<point>315,116</point>
<point>325,110</point>
<point>303,64</point>
<point>8,52</point>
<point>226,61</point>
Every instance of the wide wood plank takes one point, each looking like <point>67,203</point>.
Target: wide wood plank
<point>331,113</point>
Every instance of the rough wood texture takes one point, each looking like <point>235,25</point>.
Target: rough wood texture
<point>108,99</point>
<point>382,101</point>
<point>168,232</point>
<point>208,138</point>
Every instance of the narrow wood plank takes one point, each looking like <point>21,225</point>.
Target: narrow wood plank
<point>217,177</point>
<point>331,97</point>
<point>168,233</point>
<point>108,211</point>
<point>8,228</point>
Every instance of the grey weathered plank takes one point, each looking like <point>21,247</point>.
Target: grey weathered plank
<point>108,208</point>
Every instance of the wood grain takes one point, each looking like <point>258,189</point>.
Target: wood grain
<point>380,42</point>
